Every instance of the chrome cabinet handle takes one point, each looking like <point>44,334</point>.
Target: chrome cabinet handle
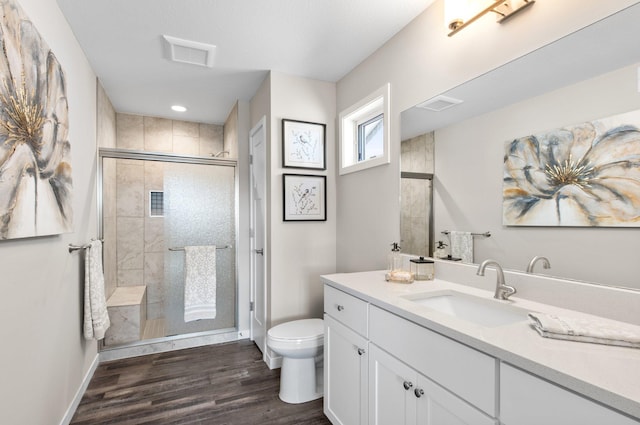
<point>259,251</point>
<point>419,392</point>
<point>361,351</point>
<point>340,307</point>
<point>407,385</point>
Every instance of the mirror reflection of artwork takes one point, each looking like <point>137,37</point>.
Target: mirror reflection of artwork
<point>35,169</point>
<point>582,175</point>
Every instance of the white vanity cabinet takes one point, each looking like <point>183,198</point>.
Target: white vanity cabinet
<point>390,364</point>
<point>399,395</point>
<point>346,354</point>
<point>526,399</point>
<point>467,373</point>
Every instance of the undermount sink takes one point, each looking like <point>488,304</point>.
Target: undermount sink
<point>481,311</point>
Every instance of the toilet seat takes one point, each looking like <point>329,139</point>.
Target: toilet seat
<point>298,331</point>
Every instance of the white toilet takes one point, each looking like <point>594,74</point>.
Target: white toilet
<point>300,343</point>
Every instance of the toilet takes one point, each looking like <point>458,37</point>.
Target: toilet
<point>300,343</point>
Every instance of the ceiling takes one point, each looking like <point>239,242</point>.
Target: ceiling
<point>317,39</point>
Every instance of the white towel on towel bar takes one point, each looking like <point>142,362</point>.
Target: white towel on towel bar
<point>462,245</point>
<point>199,283</point>
<point>96,316</point>
<point>600,331</point>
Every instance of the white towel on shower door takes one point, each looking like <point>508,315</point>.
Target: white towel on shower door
<point>96,316</point>
<point>462,245</point>
<point>199,283</point>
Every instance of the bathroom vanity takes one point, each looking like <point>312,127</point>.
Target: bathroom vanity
<point>394,355</point>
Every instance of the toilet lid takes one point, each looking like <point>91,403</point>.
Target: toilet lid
<point>298,329</point>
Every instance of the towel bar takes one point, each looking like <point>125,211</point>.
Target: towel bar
<point>79,247</point>
<point>181,248</point>
<point>485,234</point>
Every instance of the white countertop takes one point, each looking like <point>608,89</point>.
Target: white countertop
<point>607,374</point>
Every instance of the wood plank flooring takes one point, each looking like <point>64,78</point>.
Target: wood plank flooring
<point>225,384</point>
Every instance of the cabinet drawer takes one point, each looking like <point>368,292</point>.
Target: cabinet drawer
<point>462,370</point>
<point>347,309</point>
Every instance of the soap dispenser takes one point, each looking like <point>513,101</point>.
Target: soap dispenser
<point>395,260</point>
<point>396,273</point>
<point>441,250</point>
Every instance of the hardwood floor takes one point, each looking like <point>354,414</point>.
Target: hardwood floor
<point>225,384</point>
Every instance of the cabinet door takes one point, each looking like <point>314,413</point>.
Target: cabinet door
<point>526,399</point>
<point>345,374</point>
<point>437,406</point>
<point>391,391</point>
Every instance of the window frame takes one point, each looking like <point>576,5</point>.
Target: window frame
<point>365,110</point>
<point>361,129</point>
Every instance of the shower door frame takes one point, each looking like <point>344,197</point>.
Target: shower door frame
<point>114,153</point>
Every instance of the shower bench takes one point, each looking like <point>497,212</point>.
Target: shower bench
<point>127,308</point>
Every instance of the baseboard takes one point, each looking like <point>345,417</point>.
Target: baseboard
<point>272,360</point>
<point>244,334</point>
<point>66,420</point>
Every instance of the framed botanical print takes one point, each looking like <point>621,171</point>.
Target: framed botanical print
<point>303,144</point>
<point>304,197</point>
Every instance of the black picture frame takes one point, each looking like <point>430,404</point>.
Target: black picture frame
<point>304,144</point>
<point>304,197</point>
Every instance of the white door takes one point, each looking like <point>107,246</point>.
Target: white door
<point>257,140</point>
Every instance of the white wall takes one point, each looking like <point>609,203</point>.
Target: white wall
<point>300,251</point>
<point>468,185</point>
<point>44,355</point>
<point>243,241</point>
<point>297,253</point>
<point>421,62</point>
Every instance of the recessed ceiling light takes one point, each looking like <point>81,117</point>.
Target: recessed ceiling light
<point>179,108</point>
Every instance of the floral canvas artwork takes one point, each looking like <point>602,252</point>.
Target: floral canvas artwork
<point>582,175</point>
<point>35,167</point>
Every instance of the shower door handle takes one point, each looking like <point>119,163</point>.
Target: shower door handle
<point>259,251</point>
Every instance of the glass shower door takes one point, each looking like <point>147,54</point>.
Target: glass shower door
<point>199,209</point>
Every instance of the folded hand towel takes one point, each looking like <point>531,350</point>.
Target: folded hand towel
<point>600,331</point>
<point>462,245</point>
<point>96,316</point>
<point>200,283</point>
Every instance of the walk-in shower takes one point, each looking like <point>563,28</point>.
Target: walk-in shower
<point>152,206</point>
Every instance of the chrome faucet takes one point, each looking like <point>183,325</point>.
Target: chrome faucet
<point>503,291</point>
<point>534,260</point>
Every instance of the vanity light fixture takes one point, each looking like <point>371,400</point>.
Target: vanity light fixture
<point>179,108</point>
<point>460,13</point>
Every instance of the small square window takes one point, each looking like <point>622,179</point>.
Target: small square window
<point>156,204</point>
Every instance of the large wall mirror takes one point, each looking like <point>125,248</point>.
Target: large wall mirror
<point>591,74</point>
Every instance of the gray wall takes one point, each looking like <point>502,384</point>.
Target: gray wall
<point>468,187</point>
<point>297,252</point>
<point>44,355</point>
<point>421,62</point>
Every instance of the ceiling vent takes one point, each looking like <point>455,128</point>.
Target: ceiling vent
<point>191,52</point>
<point>439,103</point>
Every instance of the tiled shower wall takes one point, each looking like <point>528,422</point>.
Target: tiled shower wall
<point>416,157</point>
<point>140,242</point>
